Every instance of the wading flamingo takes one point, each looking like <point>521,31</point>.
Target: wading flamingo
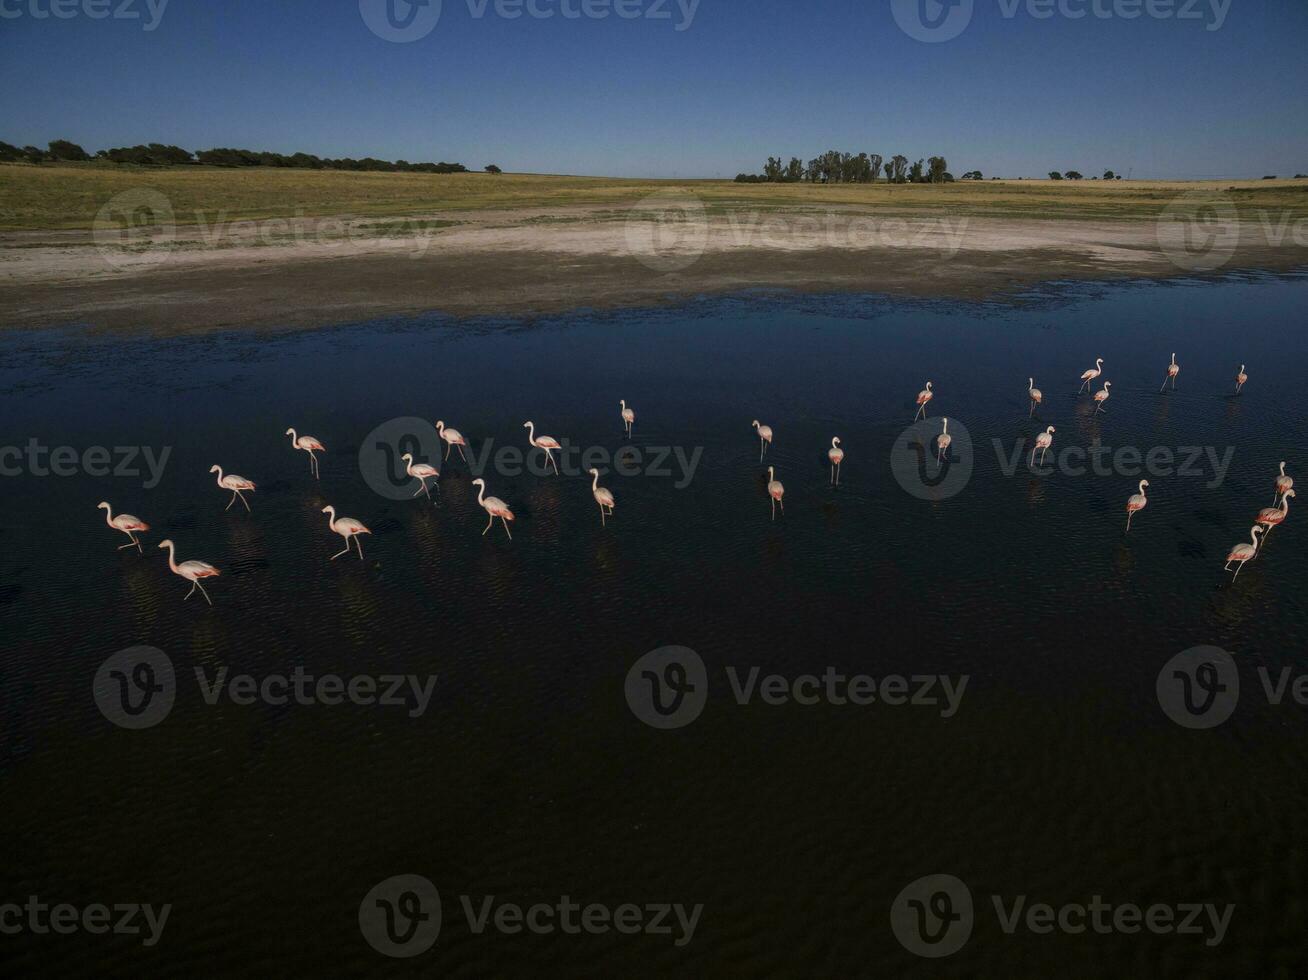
<point>1269,517</point>
<point>1283,482</point>
<point>776,491</point>
<point>1034,394</point>
<point>309,445</point>
<point>602,497</point>
<point>346,527</point>
<point>1043,441</point>
<point>764,438</point>
<point>192,571</point>
<point>495,507</point>
<point>238,485</point>
<point>923,396</point>
<point>1101,397</point>
<point>1137,501</point>
<point>452,437</point>
<point>1090,375</point>
<point>129,525</point>
<point>1243,552</point>
<point>942,444</point>
<point>422,473</point>
<point>1173,370</point>
<point>837,456</point>
<point>1240,379</point>
<point>547,443</point>
<point>628,416</point>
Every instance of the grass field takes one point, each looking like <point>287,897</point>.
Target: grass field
<point>50,197</point>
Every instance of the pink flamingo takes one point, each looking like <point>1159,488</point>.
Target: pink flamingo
<point>602,496</point>
<point>1283,483</point>
<point>1243,552</point>
<point>346,527</point>
<point>628,416</point>
<point>422,473</point>
<point>1034,394</point>
<point>764,438</point>
<point>1173,370</point>
<point>837,456</point>
<point>942,443</point>
<point>1137,501</point>
<point>192,570</point>
<point>1269,517</point>
<point>309,445</point>
<point>1101,397</point>
<point>495,507</point>
<point>923,396</point>
<point>547,443</point>
<point>1240,379</point>
<point>1090,375</point>
<point>452,437</point>
<point>126,523</point>
<point>238,485</point>
<point>776,491</point>
<point>1043,441</point>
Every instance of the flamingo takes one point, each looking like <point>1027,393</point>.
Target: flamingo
<point>775,491</point>
<point>628,416</point>
<point>1043,441</point>
<point>309,445</point>
<point>1101,397</point>
<point>1283,482</point>
<point>129,525</point>
<point>603,497</point>
<point>238,485</point>
<point>1269,517</point>
<point>1173,370</point>
<point>1090,375</point>
<point>346,527</point>
<point>452,437</point>
<point>1240,379</point>
<point>837,456</point>
<point>923,396</point>
<point>547,443</point>
<point>1243,552</point>
<point>422,473</point>
<point>764,438</point>
<point>1137,501</point>
<point>1034,394</point>
<point>942,444</point>
<point>495,507</point>
<point>192,570</point>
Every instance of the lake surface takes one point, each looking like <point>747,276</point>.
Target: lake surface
<point>529,775</point>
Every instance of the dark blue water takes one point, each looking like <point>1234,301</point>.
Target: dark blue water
<point>529,775</point>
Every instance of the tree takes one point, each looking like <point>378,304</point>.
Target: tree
<point>900,164</point>
<point>938,168</point>
<point>492,169</point>
<point>1055,175</point>
<point>915,173</point>
<point>64,150</point>
<point>874,164</point>
<point>1073,175</point>
<point>9,152</point>
<point>973,175</point>
<point>1109,175</point>
<point>794,170</point>
<point>32,155</point>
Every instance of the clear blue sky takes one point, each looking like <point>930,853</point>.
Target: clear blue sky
<point>1011,95</point>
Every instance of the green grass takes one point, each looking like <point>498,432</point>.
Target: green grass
<point>67,196</point>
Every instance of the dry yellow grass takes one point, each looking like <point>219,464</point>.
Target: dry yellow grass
<point>51,197</point>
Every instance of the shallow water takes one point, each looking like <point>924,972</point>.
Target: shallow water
<point>529,776</point>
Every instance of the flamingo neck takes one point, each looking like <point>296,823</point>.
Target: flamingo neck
<point>220,476</point>
<point>1285,504</point>
<point>109,516</point>
<point>1282,469</point>
<point>1142,483</point>
<point>294,438</point>
<point>331,517</point>
<point>1253,534</point>
<point>172,557</point>
<point>481,493</point>
<point>594,483</point>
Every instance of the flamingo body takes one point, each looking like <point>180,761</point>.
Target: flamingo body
<point>494,507</point>
<point>309,445</point>
<point>1243,552</point>
<point>764,438</point>
<point>603,497</point>
<point>238,485</point>
<point>547,443</point>
<point>193,571</point>
<point>346,527</point>
<point>776,491</point>
<point>923,396</point>
<point>452,437</point>
<point>837,456</point>
<point>1136,502</point>
<point>1090,375</point>
<point>628,416</point>
<point>129,524</point>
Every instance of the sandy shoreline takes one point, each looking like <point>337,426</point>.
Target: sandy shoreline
<point>314,271</point>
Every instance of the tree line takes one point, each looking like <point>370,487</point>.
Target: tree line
<point>835,167</point>
<point>161,155</point>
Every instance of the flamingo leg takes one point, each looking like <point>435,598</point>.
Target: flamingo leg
<point>339,553</point>
<point>1237,571</point>
<point>1129,515</point>
<point>193,585</point>
<point>130,544</point>
<point>244,501</point>
<point>1031,461</point>
<point>1160,390</point>
<point>603,522</point>
<point>774,508</point>
<point>230,502</point>
<point>506,528</point>
<point>359,542</point>
<point>1042,456</point>
<point>202,592</point>
<point>837,474</point>
<point>448,447</point>
<point>553,463</point>
<point>490,519</point>
<point>465,458</point>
